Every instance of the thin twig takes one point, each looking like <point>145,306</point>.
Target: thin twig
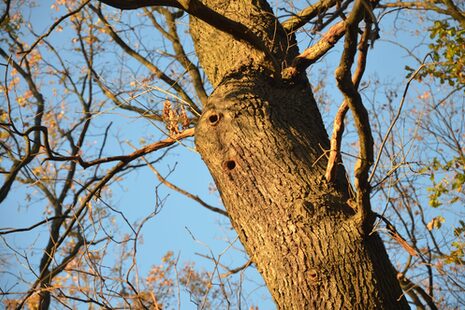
<point>52,27</point>
<point>6,231</point>
<point>301,18</point>
<point>393,122</point>
<point>183,192</point>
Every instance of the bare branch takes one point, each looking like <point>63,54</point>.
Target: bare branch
<point>237,269</point>
<point>316,51</point>
<point>154,69</point>
<point>307,14</point>
<point>393,122</point>
<point>396,236</point>
<point>122,158</point>
<point>6,13</point>
<point>31,152</point>
<point>178,48</point>
<point>409,285</point>
<point>452,9</point>
<point>360,114</point>
<point>197,9</point>
<point>6,231</point>
<point>52,27</point>
<point>338,127</point>
<point>185,193</point>
<point>56,241</point>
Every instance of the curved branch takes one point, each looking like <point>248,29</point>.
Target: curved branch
<point>185,193</point>
<point>307,14</point>
<point>3,231</point>
<point>154,69</point>
<point>181,56</point>
<point>52,27</point>
<point>393,122</point>
<point>452,9</point>
<point>197,9</point>
<point>360,115</point>
<point>31,152</point>
<point>338,127</point>
<point>316,51</point>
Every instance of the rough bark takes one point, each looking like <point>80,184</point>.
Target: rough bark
<point>262,140</point>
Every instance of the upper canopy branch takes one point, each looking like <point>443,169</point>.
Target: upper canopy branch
<point>301,18</point>
<point>197,9</point>
<point>316,51</point>
<point>450,8</point>
<point>326,43</point>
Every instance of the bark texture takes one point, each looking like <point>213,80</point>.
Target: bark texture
<point>262,140</point>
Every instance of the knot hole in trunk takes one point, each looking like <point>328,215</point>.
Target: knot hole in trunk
<point>229,164</point>
<point>214,118</point>
<point>314,276</point>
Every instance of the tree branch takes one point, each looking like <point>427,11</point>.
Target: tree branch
<point>393,122</point>
<point>307,14</point>
<point>154,69</point>
<point>197,9</point>
<point>178,48</point>
<point>122,158</point>
<point>6,13</point>
<point>56,241</point>
<point>452,9</point>
<point>185,193</point>
<point>31,152</point>
<point>406,285</point>
<point>52,27</point>
<point>396,236</point>
<point>338,127</point>
<point>360,114</point>
<point>455,12</point>
<point>4,231</point>
<point>316,51</point>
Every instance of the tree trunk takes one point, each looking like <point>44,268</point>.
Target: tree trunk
<point>263,139</point>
